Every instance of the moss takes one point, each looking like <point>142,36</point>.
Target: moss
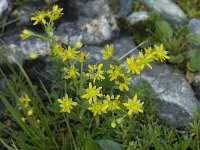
<point>191,7</point>
<point>137,6</point>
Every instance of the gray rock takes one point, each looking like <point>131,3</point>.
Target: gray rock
<point>90,8</point>
<point>167,9</point>
<point>5,7</point>
<point>89,30</point>
<point>136,17</point>
<point>23,13</point>
<point>16,49</point>
<point>175,98</point>
<point>194,25</point>
<point>126,6</point>
<point>121,46</point>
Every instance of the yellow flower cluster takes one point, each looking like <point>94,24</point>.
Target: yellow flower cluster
<point>98,99</point>
<point>46,18</point>
<point>108,52</point>
<point>41,16</point>
<point>158,53</point>
<point>95,72</point>
<point>70,53</point>
<point>102,103</point>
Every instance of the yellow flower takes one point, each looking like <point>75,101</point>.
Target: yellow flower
<point>95,72</point>
<point>160,53</point>
<point>26,34</point>
<point>123,83</point>
<point>25,100</point>
<point>134,106</point>
<point>66,104</point>
<point>33,55</point>
<point>30,112</point>
<point>112,102</point>
<point>148,51</point>
<point>55,13</point>
<point>92,93</point>
<point>72,72</point>
<point>108,52</point>
<point>58,50</point>
<point>113,124</point>
<point>144,60</point>
<point>39,17</point>
<point>70,53</point>
<point>97,108</point>
<point>78,44</point>
<point>132,65</point>
<point>82,57</point>
<point>115,72</point>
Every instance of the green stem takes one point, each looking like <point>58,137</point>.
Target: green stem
<point>125,55</point>
<point>70,131</point>
<point>81,78</point>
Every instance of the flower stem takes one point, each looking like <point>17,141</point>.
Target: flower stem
<point>70,131</point>
<point>125,55</point>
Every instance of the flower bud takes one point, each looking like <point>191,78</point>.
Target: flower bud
<point>78,44</point>
<point>33,55</point>
<point>30,112</point>
<point>119,120</point>
<point>113,124</point>
<point>26,34</point>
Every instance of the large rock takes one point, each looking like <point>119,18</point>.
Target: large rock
<point>175,101</point>
<point>15,48</point>
<point>89,30</point>
<point>5,7</point>
<point>90,8</point>
<point>23,13</point>
<point>167,9</point>
<point>95,24</point>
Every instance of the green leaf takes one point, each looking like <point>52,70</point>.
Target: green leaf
<point>185,144</point>
<point>6,145</point>
<point>163,29</point>
<point>194,60</point>
<point>176,59</point>
<point>193,38</point>
<point>90,144</point>
<point>105,144</point>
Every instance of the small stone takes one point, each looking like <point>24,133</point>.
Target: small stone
<point>194,25</point>
<point>137,17</point>
<point>168,9</point>
<point>126,6</point>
